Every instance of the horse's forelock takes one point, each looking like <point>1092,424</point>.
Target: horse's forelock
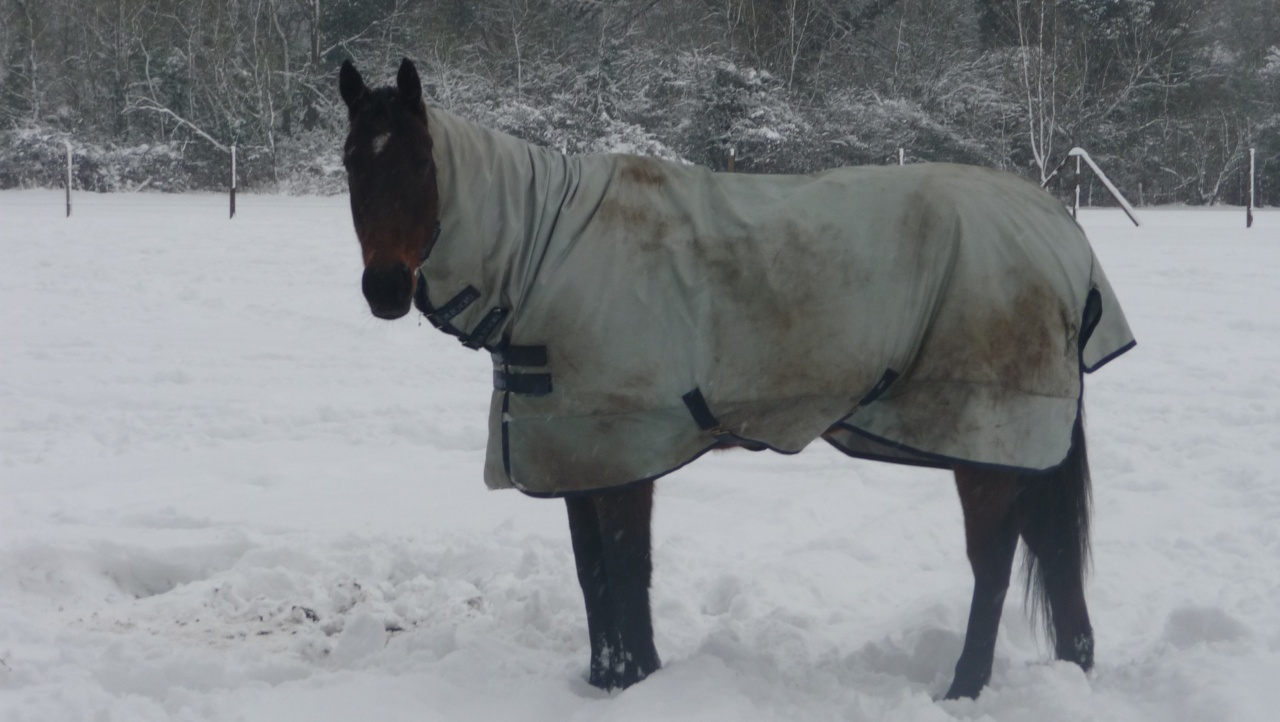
<point>378,180</point>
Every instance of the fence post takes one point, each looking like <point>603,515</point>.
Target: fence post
<point>68,178</point>
<point>733,152</point>
<point>233,180</point>
<point>1248,214</point>
<point>1075,209</point>
<point>901,157</point>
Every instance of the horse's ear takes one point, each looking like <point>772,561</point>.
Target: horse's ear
<point>409,87</point>
<point>352,87</point>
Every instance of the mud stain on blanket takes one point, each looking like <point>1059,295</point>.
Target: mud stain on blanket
<point>642,171</point>
<point>633,224</point>
<point>1016,347</point>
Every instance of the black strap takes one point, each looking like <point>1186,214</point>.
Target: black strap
<point>486,327</point>
<point>509,355</point>
<point>454,306</point>
<point>518,383</point>
<point>881,386</point>
<point>697,405</point>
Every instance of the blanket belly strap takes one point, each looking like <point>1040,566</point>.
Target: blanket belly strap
<point>696,403</point>
<point>701,413</point>
<point>522,383</point>
<point>525,383</point>
<point>511,355</point>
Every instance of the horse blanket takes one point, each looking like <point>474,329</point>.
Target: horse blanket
<point>642,312</point>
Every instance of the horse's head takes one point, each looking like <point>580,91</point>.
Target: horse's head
<point>392,180</point>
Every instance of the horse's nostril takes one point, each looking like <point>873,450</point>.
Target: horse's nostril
<point>388,290</point>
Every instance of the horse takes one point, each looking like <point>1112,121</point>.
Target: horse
<point>605,285</point>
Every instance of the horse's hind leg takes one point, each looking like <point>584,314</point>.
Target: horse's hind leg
<point>991,537</point>
<point>1053,509</point>
<point>1051,512</point>
<point>611,544</point>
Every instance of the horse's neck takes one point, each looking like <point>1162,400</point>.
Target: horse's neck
<point>499,197</point>
<point>484,178</point>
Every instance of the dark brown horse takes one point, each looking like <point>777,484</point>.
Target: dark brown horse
<point>396,207</point>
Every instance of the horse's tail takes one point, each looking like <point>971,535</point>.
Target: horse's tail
<point>1054,510</point>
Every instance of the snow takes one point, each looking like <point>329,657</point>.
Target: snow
<point>228,493</point>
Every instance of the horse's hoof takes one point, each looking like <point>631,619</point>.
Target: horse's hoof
<point>601,680</point>
<point>633,673</point>
<point>618,677</point>
<point>964,690</point>
<point>1078,650</point>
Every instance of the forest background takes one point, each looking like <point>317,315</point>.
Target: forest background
<point>1167,95</point>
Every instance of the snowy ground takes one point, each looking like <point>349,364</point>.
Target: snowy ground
<point>228,493</point>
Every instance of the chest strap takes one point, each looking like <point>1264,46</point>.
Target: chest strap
<point>486,327</point>
<point>440,317</point>
<point>520,382</point>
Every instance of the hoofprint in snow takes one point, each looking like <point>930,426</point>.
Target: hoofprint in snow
<point>226,492</point>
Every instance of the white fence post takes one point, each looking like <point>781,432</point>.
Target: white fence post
<point>1248,214</point>
<point>902,160</point>
<point>1080,154</point>
<point>1075,209</point>
<point>68,178</point>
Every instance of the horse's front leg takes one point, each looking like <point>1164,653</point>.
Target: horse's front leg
<point>611,544</point>
<point>588,552</point>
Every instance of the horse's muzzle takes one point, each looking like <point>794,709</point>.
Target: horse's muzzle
<point>389,291</point>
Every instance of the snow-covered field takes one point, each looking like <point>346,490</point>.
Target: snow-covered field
<point>227,492</point>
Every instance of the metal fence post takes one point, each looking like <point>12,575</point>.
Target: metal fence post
<point>233,180</point>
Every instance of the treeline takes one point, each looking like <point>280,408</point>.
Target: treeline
<point>1167,95</point>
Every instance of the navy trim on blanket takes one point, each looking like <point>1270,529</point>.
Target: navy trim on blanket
<point>615,487</point>
<point>1110,357</point>
<point>698,409</point>
<point>924,458</point>
<point>887,459</point>
<point>1089,321</point>
<point>523,384</point>
<point>1090,318</point>
<point>881,386</point>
